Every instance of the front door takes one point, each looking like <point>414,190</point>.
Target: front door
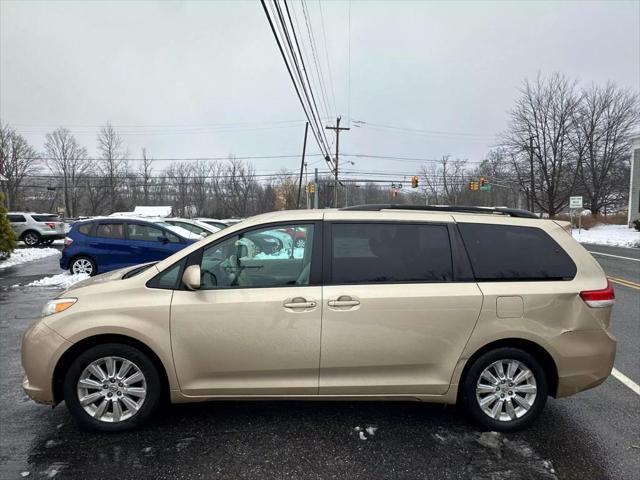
<point>253,327</point>
<point>394,321</point>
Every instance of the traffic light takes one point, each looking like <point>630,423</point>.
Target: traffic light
<point>311,187</point>
<point>414,181</point>
<point>473,185</point>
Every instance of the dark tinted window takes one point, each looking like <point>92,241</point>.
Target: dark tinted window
<point>110,230</point>
<point>17,218</point>
<point>46,218</point>
<point>378,253</point>
<point>85,229</point>
<point>169,278</point>
<point>506,252</point>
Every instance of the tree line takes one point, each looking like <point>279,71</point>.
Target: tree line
<point>561,139</point>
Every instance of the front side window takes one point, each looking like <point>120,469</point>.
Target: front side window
<point>110,230</point>
<point>390,253</point>
<point>514,253</point>
<point>266,257</point>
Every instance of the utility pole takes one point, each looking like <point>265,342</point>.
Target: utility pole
<point>315,191</point>
<point>304,150</point>
<point>337,129</point>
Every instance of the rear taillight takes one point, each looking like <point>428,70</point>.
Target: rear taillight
<point>67,241</point>
<point>599,298</point>
<point>51,225</point>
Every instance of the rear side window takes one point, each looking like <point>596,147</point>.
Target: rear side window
<point>46,218</point>
<point>390,253</point>
<point>512,253</point>
<point>17,218</point>
<point>110,230</point>
<point>85,229</point>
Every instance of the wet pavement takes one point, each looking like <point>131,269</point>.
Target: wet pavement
<point>595,434</point>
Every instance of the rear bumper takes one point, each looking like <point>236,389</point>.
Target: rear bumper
<point>584,359</point>
<point>52,235</point>
<point>64,262</point>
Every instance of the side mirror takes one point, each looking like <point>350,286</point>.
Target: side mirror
<point>191,277</point>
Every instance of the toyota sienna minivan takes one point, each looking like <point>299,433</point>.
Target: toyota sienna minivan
<point>493,309</point>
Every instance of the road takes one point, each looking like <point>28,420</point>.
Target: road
<point>595,434</point>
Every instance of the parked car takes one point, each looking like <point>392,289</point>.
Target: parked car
<point>213,222</point>
<point>103,244</point>
<point>36,228</point>
<point>434,304</point>
<point>194,226</point>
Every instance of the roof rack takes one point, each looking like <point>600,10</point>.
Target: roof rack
<point>512,212</point>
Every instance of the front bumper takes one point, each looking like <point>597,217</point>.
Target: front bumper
<point>41,349</point>
<point>584,359</point>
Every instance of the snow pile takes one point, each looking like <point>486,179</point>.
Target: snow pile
<point>24,255</point>
<point>614,235</point>
<point>62,280</point>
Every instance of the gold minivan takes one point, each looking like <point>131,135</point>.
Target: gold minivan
<point>490,308</point>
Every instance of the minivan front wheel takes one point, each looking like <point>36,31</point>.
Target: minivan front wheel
<point>505,389</point>
<point>112,387</point>
<point>83,265</point>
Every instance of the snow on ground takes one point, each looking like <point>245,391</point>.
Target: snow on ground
<point>61,280</point>
<point>24,255</point>
<point>614,235</point>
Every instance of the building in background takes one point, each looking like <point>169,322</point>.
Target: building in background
<point>634,184</point>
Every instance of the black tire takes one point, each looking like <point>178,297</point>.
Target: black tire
<point>78,260</point>
<point>31,238</point>
<point>472,376</point>
<point>152,401</point>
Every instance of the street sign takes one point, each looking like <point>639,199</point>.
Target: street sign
<point>485,187</point>
<point>397,186</point>
<point>575,202</point>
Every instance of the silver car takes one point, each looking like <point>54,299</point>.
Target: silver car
<point>36,228</point>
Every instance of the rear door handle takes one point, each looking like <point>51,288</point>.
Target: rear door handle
<point>298,303</point>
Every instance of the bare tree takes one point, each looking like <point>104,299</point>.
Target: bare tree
<point>67,159</point>
<point>146,172</point>
<point>17,160</point>
<point>445,181</point>
<point>112,164</point>
<point>604,122</point>
<point>539,141</point>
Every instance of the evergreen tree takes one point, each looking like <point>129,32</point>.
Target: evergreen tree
<point>7,237</point>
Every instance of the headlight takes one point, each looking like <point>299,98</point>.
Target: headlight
<point>58,305</point>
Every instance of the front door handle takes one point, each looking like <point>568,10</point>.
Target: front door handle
<point>299,302</point>
<point>344,301</point>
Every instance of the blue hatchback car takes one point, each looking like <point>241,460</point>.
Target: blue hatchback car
<point>104,244</point>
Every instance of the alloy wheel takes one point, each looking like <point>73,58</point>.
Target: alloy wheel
<point>506,390</point>
<point>112,389</point>
<point>31,239</point>
<point>82,265</point>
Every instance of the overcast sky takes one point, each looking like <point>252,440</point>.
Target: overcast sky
<point>205,79</point>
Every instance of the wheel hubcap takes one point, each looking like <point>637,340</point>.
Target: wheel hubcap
<point>82,266</point>
<point>506,390</point>
<point>112,389</point>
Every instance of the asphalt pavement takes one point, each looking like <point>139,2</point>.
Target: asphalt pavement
<point>595,434</point>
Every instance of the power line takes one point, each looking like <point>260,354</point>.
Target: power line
<point>326,51</point>
<point>379,126</point>
<point>316,128</point>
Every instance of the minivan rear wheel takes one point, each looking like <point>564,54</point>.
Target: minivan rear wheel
<point>83,265</point>
<point>505,389</point>
<point>112,387</point>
